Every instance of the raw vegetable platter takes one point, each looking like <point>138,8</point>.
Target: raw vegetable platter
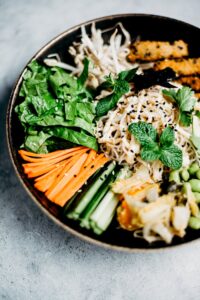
<point>80,196</point>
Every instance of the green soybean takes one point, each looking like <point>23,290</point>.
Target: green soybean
<point>194,223</point>
<point>197,197</point>
<point>198,174</point>
<point>193,168</point>
<point>174,176</point>
<point>185,175</point>
<point>195,185</point>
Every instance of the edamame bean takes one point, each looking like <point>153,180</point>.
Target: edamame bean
<point>193,168</point>
<point>194,223</point>
<point>198,174</point>
<point>174,176</point>
<point>197,197</point>
<point>185,174</point>
<point>195,185</point>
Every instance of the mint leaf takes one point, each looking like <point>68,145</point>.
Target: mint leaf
<point>153,148</point>
<point>150,152</point>
<point>167,137</point>
<point>144,132</point>
<point>185,101</point>
<point>172,157</point>
<point>128,74</point>
<point>109,102</point>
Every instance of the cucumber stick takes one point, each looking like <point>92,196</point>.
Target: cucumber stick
<point>90,193</point>
<point>101,218</point>
<point>92,205</point>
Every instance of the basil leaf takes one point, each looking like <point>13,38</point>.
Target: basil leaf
<point>172,157</point>
<point>144,132</point>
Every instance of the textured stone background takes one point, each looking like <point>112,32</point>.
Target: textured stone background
<point>38,260</point>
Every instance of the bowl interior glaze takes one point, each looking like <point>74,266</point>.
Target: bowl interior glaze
<point>145,26</point>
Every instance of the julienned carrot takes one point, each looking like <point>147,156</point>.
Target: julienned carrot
<point>76,183</point>
<point>43,184</point>
<point>47,155</point>
<point>74,171</point>
<point>67,167</point>
<point>51,161</point>
<point>62,173</point>
<point>91,156</point>
<point>27,156</point>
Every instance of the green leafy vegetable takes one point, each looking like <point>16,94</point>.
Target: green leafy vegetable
<point>84,75</point>
<point>185,101</point>
<point>119,86</point>
<point>145,133</point>
<point>154,148</point>
<point>80,138</point>
<point>54,98</point>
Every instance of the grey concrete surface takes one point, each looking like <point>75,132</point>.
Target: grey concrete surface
<point>38,260</point>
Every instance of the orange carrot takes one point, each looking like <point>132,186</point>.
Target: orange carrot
<point>54,153</point>
<point>76,183</point>
<point>43,184</point>
<point>67,177</point>
<point>47,157</point>
<point>64,170</point>
<point>41,163</point>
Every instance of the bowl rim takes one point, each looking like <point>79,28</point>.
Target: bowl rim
<point>10,105</point>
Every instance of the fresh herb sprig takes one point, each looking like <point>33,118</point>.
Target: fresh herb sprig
<point>185,100</point>
<point>156,147</point>
<point>119,87</point>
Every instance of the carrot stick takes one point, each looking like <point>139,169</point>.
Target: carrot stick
<point>75,184</point>
<point>47,157</point>
<point>45,183</point>
<point>54,153</point>
<point>52,161</point>
<point>65,170</point>
<point>67,177</point>
<point>91,156</point>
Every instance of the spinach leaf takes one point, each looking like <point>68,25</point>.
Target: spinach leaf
<point>80,138</point>
<point>34,142</point>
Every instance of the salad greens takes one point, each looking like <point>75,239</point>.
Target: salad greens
<point>185,100</point>
<point>154,147</point>
<point>56,107</point>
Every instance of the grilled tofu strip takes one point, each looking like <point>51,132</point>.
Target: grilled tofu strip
<point>192,81</point>
<point>186,66</point>
<point>155,50</point>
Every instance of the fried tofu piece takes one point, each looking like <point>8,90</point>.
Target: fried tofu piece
<point>186,66</point>
<point>192,81</point>
<point>155,50</point>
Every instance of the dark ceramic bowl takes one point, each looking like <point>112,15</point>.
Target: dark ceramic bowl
<point>147,27</point>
